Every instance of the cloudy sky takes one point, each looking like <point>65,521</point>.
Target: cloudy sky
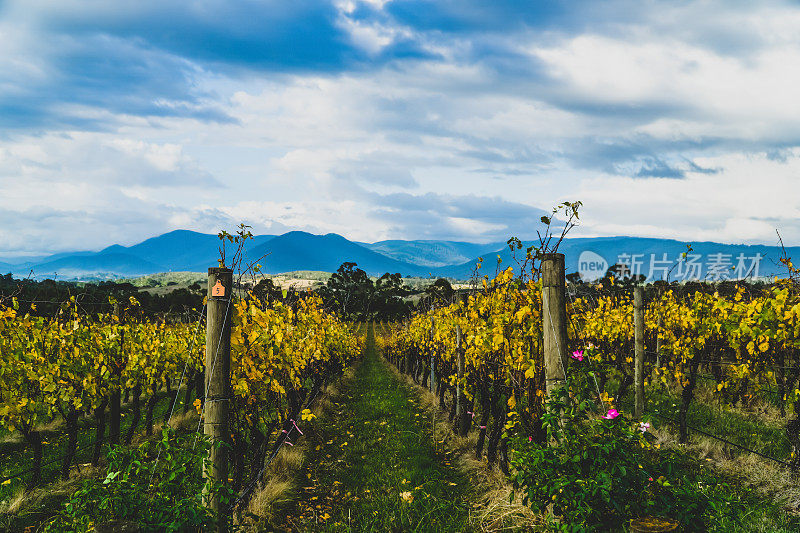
<point>378,119</point>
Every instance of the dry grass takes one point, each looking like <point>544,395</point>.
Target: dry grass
<point>182,422</point>
<point>56,491</point>
<point>53,493</point>
<point>768,478</point>
<point>767,413</point>
<point>279,485</point>
<point>46,428</point>
<point>492,511</point>
<point>278,488</point>
<point>12,438</point>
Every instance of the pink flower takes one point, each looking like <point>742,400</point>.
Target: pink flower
<point>530,439</point>
<point>644,426</point>
<point>611,414</point>
<point>578,355</point>
<point>649,479</point>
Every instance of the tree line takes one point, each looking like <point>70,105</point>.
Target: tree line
<point>350,292</point>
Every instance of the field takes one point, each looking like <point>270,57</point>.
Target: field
<point>445,422</point>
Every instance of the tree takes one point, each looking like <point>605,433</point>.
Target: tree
<point>441,292</point>
<point>389,301</point>
<point>266,291</point>
<point>621,275</point>
<point>349,291</point>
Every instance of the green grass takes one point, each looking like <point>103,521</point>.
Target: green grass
<point>745,429</point>
<point>16,457</point>
<point>375,445</point>
<point>733,505</point>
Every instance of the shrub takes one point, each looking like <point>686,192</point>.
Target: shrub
<point>598,472</point>
<point>163,495</point>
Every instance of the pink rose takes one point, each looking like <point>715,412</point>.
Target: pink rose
<point>611,414</point>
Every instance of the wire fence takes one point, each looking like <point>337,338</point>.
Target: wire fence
<point>78,449</point>
<point>579,334</point>
<point>93,444</point>
<point>722,439</point>
<point>285,434</point>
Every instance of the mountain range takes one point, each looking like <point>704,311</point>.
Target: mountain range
<point>184,250</point>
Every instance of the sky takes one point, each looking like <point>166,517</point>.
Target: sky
<point>397,119</point>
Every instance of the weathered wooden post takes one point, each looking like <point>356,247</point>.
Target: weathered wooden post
<point>638,329</point>
<point>433,359</point>
<point>554,321</point>
<point>115,396</point>
<point>460,370</point>
<point>218,382</point>
<point>658,342</point>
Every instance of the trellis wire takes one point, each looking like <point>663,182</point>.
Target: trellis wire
<point>274,454</point>
<point>726,441</point>
<point>177,392</point>
<point>91,444</point>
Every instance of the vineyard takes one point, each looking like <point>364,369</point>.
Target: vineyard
<point>75,365</point>
<point>486,353</point>
<point>572,391</point>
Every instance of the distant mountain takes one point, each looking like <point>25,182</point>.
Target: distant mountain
<point>432,253</point>
<point>177,249</point>
<point>652,257</point>
<point>298,250</point>
<point>101,264</point>
<point>191,251</point>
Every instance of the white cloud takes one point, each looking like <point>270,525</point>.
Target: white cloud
<point>705,90</point>
<point>750,198</point>
<point>494,120</point>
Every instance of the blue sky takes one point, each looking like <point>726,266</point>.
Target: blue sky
<point>383,119</point>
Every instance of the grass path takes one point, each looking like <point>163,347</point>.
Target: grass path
<point>374,446</point>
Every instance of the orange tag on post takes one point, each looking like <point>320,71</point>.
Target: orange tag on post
<point>218,289</point>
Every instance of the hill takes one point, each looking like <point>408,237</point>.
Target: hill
<point>182,250</point>
<point>651,257</point>
<point>101,265</point>
<point>432,253</point>
<point>178,249</point>
<point>298,250</point>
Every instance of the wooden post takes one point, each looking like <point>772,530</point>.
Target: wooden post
<point>638,328</point>
<point>218,381</point>
<point>554,320</point>
<point>405,369</point>
<point>460,356</point>
<point>115,396</point>
<point>433,360</point>
<point>658,343</point>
